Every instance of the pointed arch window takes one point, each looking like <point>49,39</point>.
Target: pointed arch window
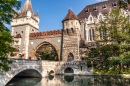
<point>91,19</point>
<point>100,17</point>
<point>102,34</point>
<point>91,34</point>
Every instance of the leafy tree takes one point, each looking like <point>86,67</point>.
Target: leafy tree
<point>123,3</point>
<point>113,50</point>
<point>6,14</point>
<point>49,53</point>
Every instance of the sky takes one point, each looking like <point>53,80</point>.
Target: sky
<point>52,12</point>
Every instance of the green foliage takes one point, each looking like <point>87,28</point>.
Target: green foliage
<point>113,51</point>
<point>6,14</point>
<point>49,54</point>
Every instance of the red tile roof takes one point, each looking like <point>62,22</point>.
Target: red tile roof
<point>70,16</point>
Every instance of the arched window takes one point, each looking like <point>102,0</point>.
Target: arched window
<point>91,19</point>
<point>100,17</point>
<point>102,33</point>
<point>91,34</point>
<point>67,31</point>
<point>70,57</point>
<point>72,30</point>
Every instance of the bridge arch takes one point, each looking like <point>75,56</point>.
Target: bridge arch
<point>18,67</point>
<point>69,70</point>
<point>23,69</point>
<point>29,73</point>
<point>34,51</point>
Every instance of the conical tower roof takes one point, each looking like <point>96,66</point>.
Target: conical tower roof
<point>70,16</point>
<point>26,7</point>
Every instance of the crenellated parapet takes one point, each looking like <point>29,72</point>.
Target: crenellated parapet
<point>45,34</point>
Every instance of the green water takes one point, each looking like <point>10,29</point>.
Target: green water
<point>71,81</point>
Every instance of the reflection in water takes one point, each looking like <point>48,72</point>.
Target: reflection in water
<point>72,81</point>
<point>24,82</point>
<point>68,78</point>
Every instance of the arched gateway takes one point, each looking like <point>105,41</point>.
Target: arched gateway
<point>47,51</point>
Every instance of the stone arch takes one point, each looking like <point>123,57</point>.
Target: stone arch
<point>70,57</point>
<point>51,75</point>
<point>13,74</point>
<point>19,70</point>
<point>51,72</point>
<point>32,53</point>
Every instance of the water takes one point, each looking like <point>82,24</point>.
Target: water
<point>71,81</point>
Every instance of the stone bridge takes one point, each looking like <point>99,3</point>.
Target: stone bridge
<point>44,68</point>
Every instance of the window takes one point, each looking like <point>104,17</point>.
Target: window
<point>91,34</point>
<point>67,31</point>
<point>102,34</point>
<point>32,30</point>
<point>87,10</point>
<point>95,9</point>
<point>16,32</point>
<point>100,17</point>
<point>22,31</point>
<point>91,19</point>
<point>114,4</point>
<point>104,6</point>
<point>66,23</point>
<point>72,23</point>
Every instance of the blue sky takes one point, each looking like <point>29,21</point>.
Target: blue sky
<point>52,12</point>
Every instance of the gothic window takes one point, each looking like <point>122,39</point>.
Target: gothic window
<point>102,33</point>
<point>70,57</point>
<point>91,34</point>
<point>100,17</point>
<point>91,18</point>
<point>104,6</point>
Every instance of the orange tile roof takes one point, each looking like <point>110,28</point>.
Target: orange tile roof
<point>70,16</point>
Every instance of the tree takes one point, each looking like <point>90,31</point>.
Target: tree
<point>6,14</point>
<point>113,50</point>
<point>123,3</point>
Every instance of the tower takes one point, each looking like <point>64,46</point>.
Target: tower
<point>71,35</point>
<point>27,22</point>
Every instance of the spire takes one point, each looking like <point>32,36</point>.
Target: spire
<point>26,7</point>
<point>70,16</point>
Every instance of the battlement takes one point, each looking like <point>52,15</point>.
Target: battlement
<point>45,34</point>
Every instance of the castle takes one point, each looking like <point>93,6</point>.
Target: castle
<point>70,43</point>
